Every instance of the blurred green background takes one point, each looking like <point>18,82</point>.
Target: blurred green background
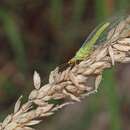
<point>41,34</point>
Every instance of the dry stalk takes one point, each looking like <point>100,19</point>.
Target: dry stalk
<point>72,84</point>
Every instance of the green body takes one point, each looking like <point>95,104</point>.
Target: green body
<point>85,50</point>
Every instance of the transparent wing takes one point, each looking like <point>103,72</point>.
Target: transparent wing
<point>114,23</point>
<point>90,36</point>
<point>103,36</point>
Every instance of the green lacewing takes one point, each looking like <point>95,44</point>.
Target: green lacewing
<point>98,35</point>
<point>89,43</point>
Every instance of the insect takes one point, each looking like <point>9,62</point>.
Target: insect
<point>89,43</point>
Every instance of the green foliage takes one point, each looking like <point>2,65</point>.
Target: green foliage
<point>113,105</point>
<point>56,12</point>
<point>15,40</point>
<point>101,10</point>
<point>109,78</point>
<point>78,11</point>
<point>121,6</point>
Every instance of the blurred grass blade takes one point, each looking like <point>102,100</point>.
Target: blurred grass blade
<point>113,103</point>
<point>79,8</point>
<point>101,10</point>
<point>89,115</point>
<point>122,5</point>
<point>15,40</point>
<point>112,100</point>
<point>56,12</point>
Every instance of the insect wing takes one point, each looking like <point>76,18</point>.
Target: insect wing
<point>112,28</point>
<point>91,35</point>
<point>103,37</point>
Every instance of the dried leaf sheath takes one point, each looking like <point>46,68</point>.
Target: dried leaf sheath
<point>72,84</point>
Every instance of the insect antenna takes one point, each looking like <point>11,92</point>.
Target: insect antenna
<point>63,66</point>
